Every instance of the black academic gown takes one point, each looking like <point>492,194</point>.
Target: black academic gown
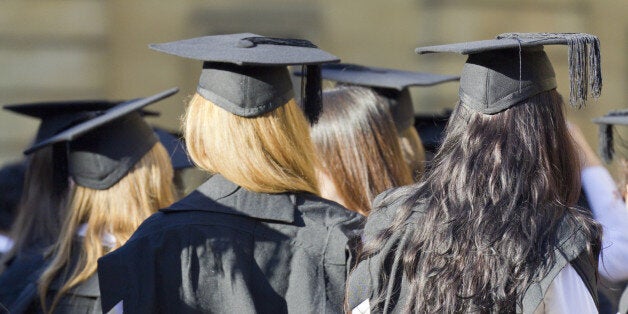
<point>364,281</point>
<point>21,272</point>
<point>83,298</point>
<point>224,249</point>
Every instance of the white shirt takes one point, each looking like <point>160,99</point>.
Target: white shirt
<point>567,294</point>
<point>610,210</point>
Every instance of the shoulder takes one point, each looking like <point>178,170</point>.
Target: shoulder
<point>386,208</point>
<point>328,213</point>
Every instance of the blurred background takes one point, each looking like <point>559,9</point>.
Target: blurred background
<point>73,49</point>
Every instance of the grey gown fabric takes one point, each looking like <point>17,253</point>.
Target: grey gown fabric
<point>364,281</point>
<point>224,249</point>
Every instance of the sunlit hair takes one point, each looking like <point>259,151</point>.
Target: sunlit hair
<point>116,212</point>
<point>271,153</point>
<point>413,151</point>
<point>498,189</point>
<point>356,143</point>
<point>40,211</point>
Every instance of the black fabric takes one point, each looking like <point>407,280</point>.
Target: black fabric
<point>400,105</point>
<point>389,83</point>
<point>103,156</point>
<point>364,281</point>
<point>246,91</point>
<point>175,146</point>
<point>81,299</point>
<point>240,49</point>
<point>223,249</point>
<point>494,80</point>
<point>586,267</point>
<point>22,271</point>
<point>100,119</point>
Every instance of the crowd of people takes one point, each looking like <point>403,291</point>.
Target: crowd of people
<point>324,200</point>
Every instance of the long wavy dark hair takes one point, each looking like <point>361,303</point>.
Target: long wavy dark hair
<point>493,199</point>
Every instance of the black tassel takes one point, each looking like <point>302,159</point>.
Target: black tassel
<point>60,170</point>
<point>605,139</point>
<point>584,62</point>
<point>313,97</point>
<point>279,42</point>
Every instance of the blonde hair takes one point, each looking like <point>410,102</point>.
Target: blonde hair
<point>116,211</point>
<point>271,153</point>
<point>356,141</point>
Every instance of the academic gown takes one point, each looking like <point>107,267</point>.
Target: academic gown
<point>364,281</point>
<point>83,298</point>
<point>20,272</point>
<point>224,249</point>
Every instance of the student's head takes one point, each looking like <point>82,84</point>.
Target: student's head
<point>611,126</point>
<point>502,185</point>
<point>42,204</point>
<point>356,143</point>
<point>243,122</point>
<point>120,174</point>
<point>269,153</point>
<point>392,85</point>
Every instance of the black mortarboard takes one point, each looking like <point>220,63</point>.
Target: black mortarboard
<point>104,148</point>
<point>389,83</point>
<point>175,147</point>
<point>606,122</point>
<point>502,72</point>
<point>246,74</point>
<point>56,116</point>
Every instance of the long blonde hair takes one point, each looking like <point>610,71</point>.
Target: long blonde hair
<point>116,211</point>
<point>40,211</point>
<point>271,153</point>
<point>357,144</point>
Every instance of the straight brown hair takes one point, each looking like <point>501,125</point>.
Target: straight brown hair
<point>357,144</point>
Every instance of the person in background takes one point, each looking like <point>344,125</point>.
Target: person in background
<point>393,86</point>
<point>11,182</point>
<point>356,143</point>
<point>608,204</point>
<point>120,174</point>
<point>41,207</point>
<point>255,237</point>
<point>493,227</point>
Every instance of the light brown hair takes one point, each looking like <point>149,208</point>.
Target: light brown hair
<point>116,211</point>
<point>358,147</point>
<point>40,210</point>
<point>271,153</point>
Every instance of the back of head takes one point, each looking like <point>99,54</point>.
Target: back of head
<point>41,207</point>
<point>267,153</point>
<point>356,142</point>
<point>109,216</point>
<point>494,197</point>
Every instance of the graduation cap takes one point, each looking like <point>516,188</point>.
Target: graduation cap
<point>388,83</point>
<point>431,129</point>
<point>56,116</point>
<point>501,72</point>
<point>247,75</point>
<point>606,122</point>
<point>175,147</point>
<point>102,149</point>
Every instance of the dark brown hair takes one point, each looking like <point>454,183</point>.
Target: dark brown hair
<point>356,142</point>
<point>496,192</point>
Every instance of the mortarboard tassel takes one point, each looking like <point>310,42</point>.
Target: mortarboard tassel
<point>584,62</point>
<point>311,91</point>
